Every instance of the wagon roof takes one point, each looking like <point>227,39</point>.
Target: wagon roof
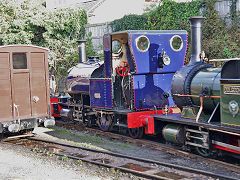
<point>23,46</point>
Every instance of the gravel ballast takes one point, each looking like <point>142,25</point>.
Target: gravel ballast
<point>20,163</point>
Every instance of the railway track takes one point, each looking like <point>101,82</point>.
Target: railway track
<point>155,145</point>
<point>139,166</point>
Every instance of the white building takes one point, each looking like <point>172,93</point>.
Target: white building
<point>116,9</point>
<point>58,4</point>
<point>101,11</point>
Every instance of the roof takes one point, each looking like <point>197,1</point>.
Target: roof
<point>22,45</point>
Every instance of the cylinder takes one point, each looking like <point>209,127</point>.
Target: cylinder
<point>173,133</point>
<point>206,82</point>
<point>66,114</point>
<point>196,37</point>
<point>82,51</point>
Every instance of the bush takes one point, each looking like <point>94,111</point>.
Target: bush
<point>169,15</point>
<point>28,22</point>
<point>220,40</point>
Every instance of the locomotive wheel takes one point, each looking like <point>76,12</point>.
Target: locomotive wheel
<point>89,121</point>
<point>136,133</point>
<point>201,151</point>
<point>105,122</point>
<point>70,117</point>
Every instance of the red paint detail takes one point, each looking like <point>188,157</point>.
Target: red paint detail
<point>123,69</point>
<point>144,109</point>
<point>53,101</point>
<point>186,50</point>
<point>133,89</point>
<point>143,119</point>
<point>150,126</point>
<point>226,149</point>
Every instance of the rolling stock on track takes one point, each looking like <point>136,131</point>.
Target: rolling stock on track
<point>144,87</point>
<point>24,88</point>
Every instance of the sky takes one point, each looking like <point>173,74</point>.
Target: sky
<point>109,10</point>
<point>115,9</point>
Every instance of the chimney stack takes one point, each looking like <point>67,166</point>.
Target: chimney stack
<point>196,37</point>
<point>82,51</point>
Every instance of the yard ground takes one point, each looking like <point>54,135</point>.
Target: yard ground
<point>20,163</point>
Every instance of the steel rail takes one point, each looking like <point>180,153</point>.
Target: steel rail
<point>157,146</point>
<point>169,165</point>
<point>115,167</point>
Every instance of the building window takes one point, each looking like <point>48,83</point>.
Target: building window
<point>19,61</point>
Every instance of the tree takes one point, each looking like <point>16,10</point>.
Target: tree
<point>28,22</point>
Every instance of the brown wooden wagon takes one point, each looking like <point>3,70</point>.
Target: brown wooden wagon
<point>24,87</point>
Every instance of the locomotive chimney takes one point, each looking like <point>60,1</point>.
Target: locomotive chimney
<point>196,37</point>
<point>82,50</point>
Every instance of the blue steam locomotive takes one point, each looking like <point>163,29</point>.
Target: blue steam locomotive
<point>143,87</point>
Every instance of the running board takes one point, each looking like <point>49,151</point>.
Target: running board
<point>226,147</point>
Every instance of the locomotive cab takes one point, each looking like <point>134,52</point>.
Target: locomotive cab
<point>132,83</point>
<point>230,91</point>
<point>138,69</point>
<point>136,77</point>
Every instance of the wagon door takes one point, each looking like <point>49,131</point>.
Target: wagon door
<point>21,86</point>
<point>5,88</point>
<point>39,84</point>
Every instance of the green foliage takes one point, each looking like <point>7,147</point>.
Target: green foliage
<point>168,15</point>
<point>28,22</point>
<point>64,28</point>
<point>15,16</point>
<point>220,40</point>
<point>130,22</point>
<point>233,9</point>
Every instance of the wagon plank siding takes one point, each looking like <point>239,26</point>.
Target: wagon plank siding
<point>39,86</point>
<point>5,88</point>
<point>21,95</point>
<point>24,88</point>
